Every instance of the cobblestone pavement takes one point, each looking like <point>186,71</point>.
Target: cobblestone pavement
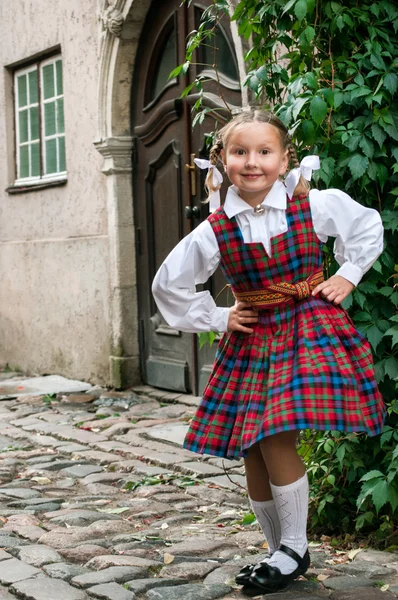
<point>99,500</point>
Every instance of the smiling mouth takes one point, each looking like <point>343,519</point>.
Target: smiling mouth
<point>251,175</point>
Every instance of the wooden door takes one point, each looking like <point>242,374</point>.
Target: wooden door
<point>167,195</point>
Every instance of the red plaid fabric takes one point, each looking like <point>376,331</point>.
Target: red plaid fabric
<point>304,366</point>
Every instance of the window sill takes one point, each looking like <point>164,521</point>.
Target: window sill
<point>35,187</point>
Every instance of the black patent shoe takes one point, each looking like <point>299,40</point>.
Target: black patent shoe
<point>265,578</point>
<point>243,577</point>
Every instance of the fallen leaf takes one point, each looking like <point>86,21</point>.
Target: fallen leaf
<point>385,587</point>
<point>168,558</point>
<point>352,553</point>
<point>164,526</point>
<point>113,511</point>
<point>41,480</point>
<point>322,577</point>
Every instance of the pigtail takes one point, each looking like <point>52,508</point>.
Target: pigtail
<point>214,157</point>
<point>303,185</point>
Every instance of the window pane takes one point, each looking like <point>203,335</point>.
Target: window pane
<point>35,156</point>
<point>34,123</point>
<point>33,88</point>
<point>51,156</point>
<point>24,161</point>
<point>49,119</point>
<point>60,116</point>
<point>48,81</point>
<point>61,148</point>
<point>167,62</point>
<point>23,126</point>
<point>22,91</point>
<point>60,84</point>
<point>224,56</point>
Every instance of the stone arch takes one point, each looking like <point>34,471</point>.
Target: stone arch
<point>120,23</point>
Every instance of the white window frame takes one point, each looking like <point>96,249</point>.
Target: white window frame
<point>43,177</point>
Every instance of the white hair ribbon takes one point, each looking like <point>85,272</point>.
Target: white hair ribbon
<point>214,197</point>
<point>307,165</point>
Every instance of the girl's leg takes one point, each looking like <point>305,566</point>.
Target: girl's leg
<point>261,499</point>
<point>289,486</point>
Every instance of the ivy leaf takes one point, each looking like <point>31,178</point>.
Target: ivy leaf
<point>366,146</point>
<point>378,134</point>
<point>358,165</point>
<point>380,494</point>
<point>326,171</point>
<point>374,335</point>
<point>391,367</point>
<point>318,109</point>
<point>300,10</point>
<point>372,475</point>
<point>378,62</point>
<point>393,331</point>
<point>391,82</point>
<point>338,99</point>
<point>311,80</point>
<point>308,133</point>
<point>309,33</point>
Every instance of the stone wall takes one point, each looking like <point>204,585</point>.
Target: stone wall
<point>54,248</point>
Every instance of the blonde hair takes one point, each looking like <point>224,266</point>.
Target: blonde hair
<point>261,116</point>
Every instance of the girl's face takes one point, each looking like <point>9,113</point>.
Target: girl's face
<point>254,159</point>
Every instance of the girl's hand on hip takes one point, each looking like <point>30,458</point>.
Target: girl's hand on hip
<point>334,289</point>
<point>240,315</point>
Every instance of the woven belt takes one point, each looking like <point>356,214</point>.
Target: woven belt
<point>279,293</point>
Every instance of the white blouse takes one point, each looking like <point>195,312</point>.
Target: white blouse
<point>359,241</point>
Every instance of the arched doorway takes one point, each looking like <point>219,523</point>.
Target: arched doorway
<point>167,194</point>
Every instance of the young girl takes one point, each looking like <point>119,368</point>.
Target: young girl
<point>290,357</point>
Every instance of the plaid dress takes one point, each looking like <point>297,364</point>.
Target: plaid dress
<point>304,366</point>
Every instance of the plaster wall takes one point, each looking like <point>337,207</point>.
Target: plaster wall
<point>54,250</point>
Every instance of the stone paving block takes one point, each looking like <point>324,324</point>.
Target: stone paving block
<point>23,493</point>
<point>188,570</point>
<point>80,471</point>
<point>38,555</point>
<point>82,518</point>
<point>102,458</point>
<point>64,447</point>
<point>70,537</point>
<point>111,591</point>
<point>201,469</point>
<point>360,593</point>
<point>345,582</point>
<point>47,589</point>
<point>15,570</point>
<point>140,586</point>
<point>109,560</point>
<point>83,553</point>
<point>64,571</point>
<point>10,541</point>
<point>103,477</point>
<point>233,482</point>
<point>4,555</point>
<point>109,575</point>
<point>197,546</point>
<point>190,591</point>
<point>56,465</point>
<point>366,568</point>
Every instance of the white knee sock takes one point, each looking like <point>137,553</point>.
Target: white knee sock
<point>291,503</point>
<point>267,518</point>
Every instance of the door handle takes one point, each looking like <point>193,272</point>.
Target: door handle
<point>192,170</point>
<point>192,212</point>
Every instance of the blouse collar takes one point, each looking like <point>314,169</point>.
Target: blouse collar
<point>234,204</point>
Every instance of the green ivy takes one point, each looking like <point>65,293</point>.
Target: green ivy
<point>329,70</point>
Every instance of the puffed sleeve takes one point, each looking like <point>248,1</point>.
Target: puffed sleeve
<point>358,231</point>
<point>192,262</point>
